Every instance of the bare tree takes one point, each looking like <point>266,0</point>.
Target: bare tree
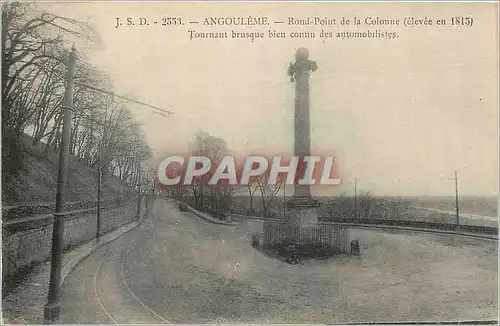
<point>35,46</point>
<point>214,148</point>
<point>269,191</point>
<point>252,187</point>
<point>32,42</point>
<point>34,49</point>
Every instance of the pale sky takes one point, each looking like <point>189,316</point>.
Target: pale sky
<point>400,115</point>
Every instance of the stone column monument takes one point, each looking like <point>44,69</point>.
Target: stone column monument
<point>302,207</point>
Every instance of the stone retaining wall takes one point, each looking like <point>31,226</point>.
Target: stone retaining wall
<point>29,242</point>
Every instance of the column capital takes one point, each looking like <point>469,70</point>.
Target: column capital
<point>301,65</point>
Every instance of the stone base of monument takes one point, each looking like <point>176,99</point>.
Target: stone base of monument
<point>300,234</point>
<point>302,211</point>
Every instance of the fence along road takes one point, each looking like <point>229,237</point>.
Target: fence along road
<point>491,234</point>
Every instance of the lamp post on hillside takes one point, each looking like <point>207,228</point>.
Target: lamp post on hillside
<point>284,200</point>
<point>456,200</point>
<point>52,308</point>
<point>99,195</point>
<point>109,102</point>
<point>355,198</point>
<point>139,171</point>
<point>139,188</point>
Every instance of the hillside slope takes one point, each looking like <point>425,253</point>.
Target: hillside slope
<point>37,179</point>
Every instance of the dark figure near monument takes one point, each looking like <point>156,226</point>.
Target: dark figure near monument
<point>183,207</point>
<point>293,259</point>
<point>289,249</point>
<point>355,247</point>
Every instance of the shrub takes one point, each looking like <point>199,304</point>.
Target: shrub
<point>255,240</point>
<point>183,208</point>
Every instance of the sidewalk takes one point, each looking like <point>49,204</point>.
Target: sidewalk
<point>25,304</point>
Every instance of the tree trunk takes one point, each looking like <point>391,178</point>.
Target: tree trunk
<point>251,199</point>
<point>53,133</point>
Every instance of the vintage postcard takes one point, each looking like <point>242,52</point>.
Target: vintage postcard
<point>249,162</point>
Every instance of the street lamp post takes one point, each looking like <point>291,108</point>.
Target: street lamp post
<point>355,198</point>
<point>139,171</point>
<point>284,199</point>
<point>99,195</point>
<point>52,308</point>
<point>457,206</point>
<point>99,168</point>
<point>456,200</point>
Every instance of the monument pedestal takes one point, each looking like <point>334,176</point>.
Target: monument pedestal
<point>302,211</point>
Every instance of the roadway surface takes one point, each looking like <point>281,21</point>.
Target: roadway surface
<point>177,268</point>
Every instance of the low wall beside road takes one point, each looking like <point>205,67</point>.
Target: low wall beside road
<point>28,241</point>
<point>489,230</point>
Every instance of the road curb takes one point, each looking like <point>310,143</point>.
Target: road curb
<point>201,215</point>
<point>394,227</point>
<point>431,231</point>
<point>68,267</point>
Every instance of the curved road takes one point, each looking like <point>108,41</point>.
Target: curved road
<point>177,268</point>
